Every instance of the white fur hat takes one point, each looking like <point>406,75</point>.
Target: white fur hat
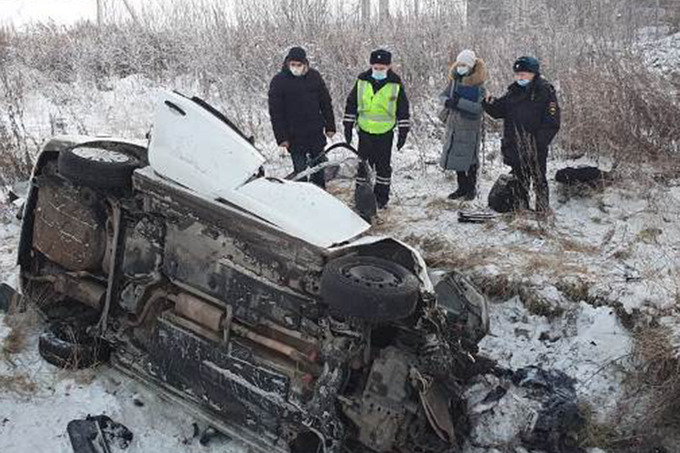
<point>467,57</point>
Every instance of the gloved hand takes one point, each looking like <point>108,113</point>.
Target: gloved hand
<point>452,102</point>
<point>401,140</point>
<point>348,132</point>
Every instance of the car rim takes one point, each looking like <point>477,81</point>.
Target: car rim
<point>101,155</point>
<point>372,276</point>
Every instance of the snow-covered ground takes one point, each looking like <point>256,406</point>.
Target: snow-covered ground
<point>563,286</point>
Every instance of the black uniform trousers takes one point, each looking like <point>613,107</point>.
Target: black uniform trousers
<point>303,156</point>
<point>533,169</point>
<point>377,150</point>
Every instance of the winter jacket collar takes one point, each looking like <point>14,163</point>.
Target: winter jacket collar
<point>475,78</point>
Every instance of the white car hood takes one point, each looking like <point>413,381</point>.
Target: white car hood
<point>195,148</point>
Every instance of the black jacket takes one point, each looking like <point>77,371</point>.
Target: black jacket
<point>300,108</point>
<point>403,109</point>
<point>531,120</point>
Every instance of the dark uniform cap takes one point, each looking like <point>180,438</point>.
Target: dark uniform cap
<point>526,64</point>
<point>381,56</point>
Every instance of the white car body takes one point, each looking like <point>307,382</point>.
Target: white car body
<point>196,149</point>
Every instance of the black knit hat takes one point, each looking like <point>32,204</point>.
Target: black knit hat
<point>297,54</point>
<point>381,56</point>
<point>526,64</point>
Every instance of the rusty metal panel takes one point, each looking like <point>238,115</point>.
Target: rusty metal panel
<point>66,231</point>
<point>232,271</point>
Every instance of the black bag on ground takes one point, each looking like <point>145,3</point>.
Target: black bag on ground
<point>504,194</point>
<point>580,175</point>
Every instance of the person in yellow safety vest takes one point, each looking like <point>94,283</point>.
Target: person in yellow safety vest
<point>376,106</point>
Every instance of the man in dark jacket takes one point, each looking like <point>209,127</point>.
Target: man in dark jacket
<point>531,117</point>
<point>377,105</point>
<point>301,112</point>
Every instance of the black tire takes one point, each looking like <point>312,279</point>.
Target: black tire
<point>98,167</point>
<point>67,346</point>
<point>370,288</point>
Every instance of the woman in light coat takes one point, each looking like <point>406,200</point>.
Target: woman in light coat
<point>463,114</point>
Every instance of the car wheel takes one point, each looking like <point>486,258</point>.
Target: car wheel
<point>97,167</point>
<point>68,346</point>
<point>370,288</point>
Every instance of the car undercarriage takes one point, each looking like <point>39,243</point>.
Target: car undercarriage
<point>281,341</point>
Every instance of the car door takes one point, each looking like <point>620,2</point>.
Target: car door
<point>195,146</point>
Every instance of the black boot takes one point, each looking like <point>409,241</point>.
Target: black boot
<point>462,186</point>
<point>471,184</point>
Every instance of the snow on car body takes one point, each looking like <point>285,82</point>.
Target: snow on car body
<point>259,304</point>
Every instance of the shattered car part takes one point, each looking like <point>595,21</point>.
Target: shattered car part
<point>96,434</point>
<point>532,407</point>
<point>464,302</point>
<point>382,411</point>
<point>212,285</point>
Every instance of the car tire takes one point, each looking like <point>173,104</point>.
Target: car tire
<point>68,346</point>
<point>370,288</point>
<point>97,167</point>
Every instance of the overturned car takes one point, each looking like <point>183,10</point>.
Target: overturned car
<point>259,304</point>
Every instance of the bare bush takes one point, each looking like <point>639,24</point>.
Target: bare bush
<point>612,106</point>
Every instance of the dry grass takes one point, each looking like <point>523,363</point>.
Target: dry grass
<point>610,436</point>
<point>554,264</point>
<point>571,245</point>
<point>501,286</point>
<point>21,325</point>
<point>18,383</point>
<point>575,289</point>
<point>657,370</point>
<point>649,415</point>
<point>650,235</point>
<point>15,342</point>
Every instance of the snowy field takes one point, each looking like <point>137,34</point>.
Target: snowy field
<point>617,248</point>
<point>566,291</point>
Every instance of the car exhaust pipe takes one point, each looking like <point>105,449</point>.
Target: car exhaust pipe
<point>84,291</point>
<point>202,313</point>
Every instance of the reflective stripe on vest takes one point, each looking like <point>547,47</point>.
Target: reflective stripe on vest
<point>377,111</point>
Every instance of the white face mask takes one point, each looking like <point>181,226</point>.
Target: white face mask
<point>462,70</point>
<point>297,71</point>
<point>380,75</point>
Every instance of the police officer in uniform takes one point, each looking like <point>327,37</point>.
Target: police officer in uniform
<point>531,119</point>
<point>376,106</point>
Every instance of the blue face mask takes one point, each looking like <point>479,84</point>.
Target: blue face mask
<point>523,82</point>
<point>379,75</point>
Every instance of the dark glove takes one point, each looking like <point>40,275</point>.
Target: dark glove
<point>401,140</point>
<point>452,102</point>
<point>348,132</point>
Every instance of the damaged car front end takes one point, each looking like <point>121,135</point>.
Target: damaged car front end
<point>260,305</point>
